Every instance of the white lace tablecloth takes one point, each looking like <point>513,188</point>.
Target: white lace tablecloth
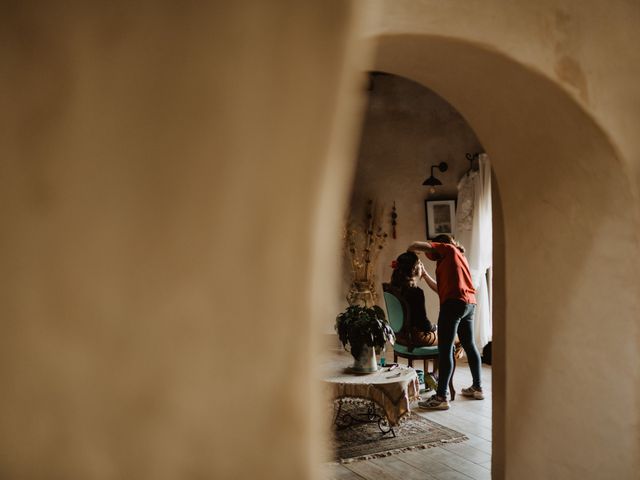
<point>392,391</point>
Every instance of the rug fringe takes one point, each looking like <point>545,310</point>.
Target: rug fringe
<point>396,451</point>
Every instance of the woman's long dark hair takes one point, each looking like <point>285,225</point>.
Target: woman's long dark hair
<point>403,274</point>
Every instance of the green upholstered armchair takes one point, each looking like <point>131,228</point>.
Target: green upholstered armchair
<point>398,313</point>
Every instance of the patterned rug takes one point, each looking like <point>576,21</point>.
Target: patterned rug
<point>365,441</point>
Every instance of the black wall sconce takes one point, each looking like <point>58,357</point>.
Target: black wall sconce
<point>432,181</point>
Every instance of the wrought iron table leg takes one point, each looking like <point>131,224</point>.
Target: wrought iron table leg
<point>383,425</point>
<point>347,420</point>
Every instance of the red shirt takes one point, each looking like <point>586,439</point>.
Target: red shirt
<point>452,274</point>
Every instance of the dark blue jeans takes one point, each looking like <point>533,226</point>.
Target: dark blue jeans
<point>456,317</point>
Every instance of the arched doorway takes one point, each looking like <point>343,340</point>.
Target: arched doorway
<point>407,128</point>
<point>559,185</point>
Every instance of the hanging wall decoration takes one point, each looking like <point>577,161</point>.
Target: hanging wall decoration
<point>394,220</point>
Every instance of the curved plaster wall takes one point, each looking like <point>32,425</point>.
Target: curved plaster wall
<point>160,179</point>
<point>569,231</point>
<point>587,47</point>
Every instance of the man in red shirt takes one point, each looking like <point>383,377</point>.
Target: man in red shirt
<point>457,307</point>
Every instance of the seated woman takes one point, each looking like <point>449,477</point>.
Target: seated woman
<point>417,331</point>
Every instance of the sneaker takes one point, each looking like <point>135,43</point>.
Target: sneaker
<point>434,403</point>
<point>473,393</point>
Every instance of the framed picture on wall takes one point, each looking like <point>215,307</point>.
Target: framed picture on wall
<point>440,217</point>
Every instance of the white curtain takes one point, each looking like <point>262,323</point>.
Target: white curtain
<point>474,230</point>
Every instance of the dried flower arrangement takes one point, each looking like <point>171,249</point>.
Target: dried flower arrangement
<point>363,243</point>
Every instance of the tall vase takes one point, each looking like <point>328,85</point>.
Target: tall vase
<point>360,294</point>
<point>366,362</point>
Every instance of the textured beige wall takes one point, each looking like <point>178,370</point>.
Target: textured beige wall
<point>155,158</point>
<point>407,129</point>
<point>588,48</point>
<point>160,178</point>
<point>551,91</point>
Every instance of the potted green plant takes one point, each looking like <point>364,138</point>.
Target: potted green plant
<point>364,329</point>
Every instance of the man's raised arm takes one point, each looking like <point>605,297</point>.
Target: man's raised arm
<point>425,247</point>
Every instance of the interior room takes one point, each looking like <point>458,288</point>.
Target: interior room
<point>413,158</point>
<point>407,130</point>
<point>174,182</point>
